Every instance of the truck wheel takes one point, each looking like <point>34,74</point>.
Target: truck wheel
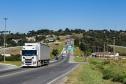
<point>47,61</point>
<point>37,64</point>
<point>41,62</point>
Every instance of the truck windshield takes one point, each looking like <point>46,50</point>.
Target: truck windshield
<point>29,52</point>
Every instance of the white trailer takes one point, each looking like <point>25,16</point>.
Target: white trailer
<point>35,54</point>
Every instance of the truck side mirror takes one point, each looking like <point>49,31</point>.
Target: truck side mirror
<point>20,52</point>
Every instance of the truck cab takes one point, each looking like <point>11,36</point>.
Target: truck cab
<point>29,55</point>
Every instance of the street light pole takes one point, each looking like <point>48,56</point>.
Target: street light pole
<point>107,46</point>
<point>104,44</point>
<point>5,19</point>
<point>104,50</point>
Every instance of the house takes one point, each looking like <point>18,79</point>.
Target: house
<point>50,38</point>
<point>105,54</point>
<point>32,38</point>
<point>16,40</point>
<point>39,35</point>
<point>6,55</point>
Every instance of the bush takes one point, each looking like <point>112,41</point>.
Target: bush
<point>13,58</point>
<point>1,58</point>
<point>118,77</point>
<point>113,71</point>
<point>106,62</point>
<point>95,61</point>
<point>55,52</point>
<point>119,74</point>
<point>100,66</point>
<point>124,81</point>
<point>107,73</point>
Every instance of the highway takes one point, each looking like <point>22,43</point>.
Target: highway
<point>41,75</point>
<point>6,66</point>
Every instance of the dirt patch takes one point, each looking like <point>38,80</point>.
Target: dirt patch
<point>11,50</point>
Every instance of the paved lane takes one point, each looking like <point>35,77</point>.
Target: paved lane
<point>38,76</point>
<point>6,67</point>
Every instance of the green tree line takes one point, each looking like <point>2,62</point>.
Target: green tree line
<point>92,39</point>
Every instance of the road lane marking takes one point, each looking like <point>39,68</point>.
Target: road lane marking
<point>63,75</point>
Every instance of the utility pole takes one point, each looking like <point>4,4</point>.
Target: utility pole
<point>114,46</point>
<point>4,38</point>
<point>104,44</point>
<point>107,46</point>
<point>104,51</point>
<point>5,19</point>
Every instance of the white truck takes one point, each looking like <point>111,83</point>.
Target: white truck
<point>35,54</point>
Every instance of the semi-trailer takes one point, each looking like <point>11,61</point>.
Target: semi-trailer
<point>35,54</point>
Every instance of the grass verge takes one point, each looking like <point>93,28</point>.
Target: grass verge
<point>79,59</point>
<point>17,63</point>
<point>85,74</point>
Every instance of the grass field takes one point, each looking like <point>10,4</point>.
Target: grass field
<point>84,74</point>
<point>17,63</point>
<point>99,71</point>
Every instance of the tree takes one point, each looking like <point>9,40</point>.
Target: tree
<point>88,52</point>
<point>82,47</point>
<point>58,38</point>
<point>76,42</point>
<point>21,42</point>
<point>11,43</point>
<point>31,33</point>
<point>55,52</point>
<point>40,38</point>
<point>67,31</point>
<point>60,30</point>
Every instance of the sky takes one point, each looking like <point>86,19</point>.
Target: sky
<point>26,15</point>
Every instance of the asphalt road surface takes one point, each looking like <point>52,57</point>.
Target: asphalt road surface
<point>6,67</point>
<point>41,75</point>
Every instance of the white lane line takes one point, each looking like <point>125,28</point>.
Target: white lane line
<point>63,75</point>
